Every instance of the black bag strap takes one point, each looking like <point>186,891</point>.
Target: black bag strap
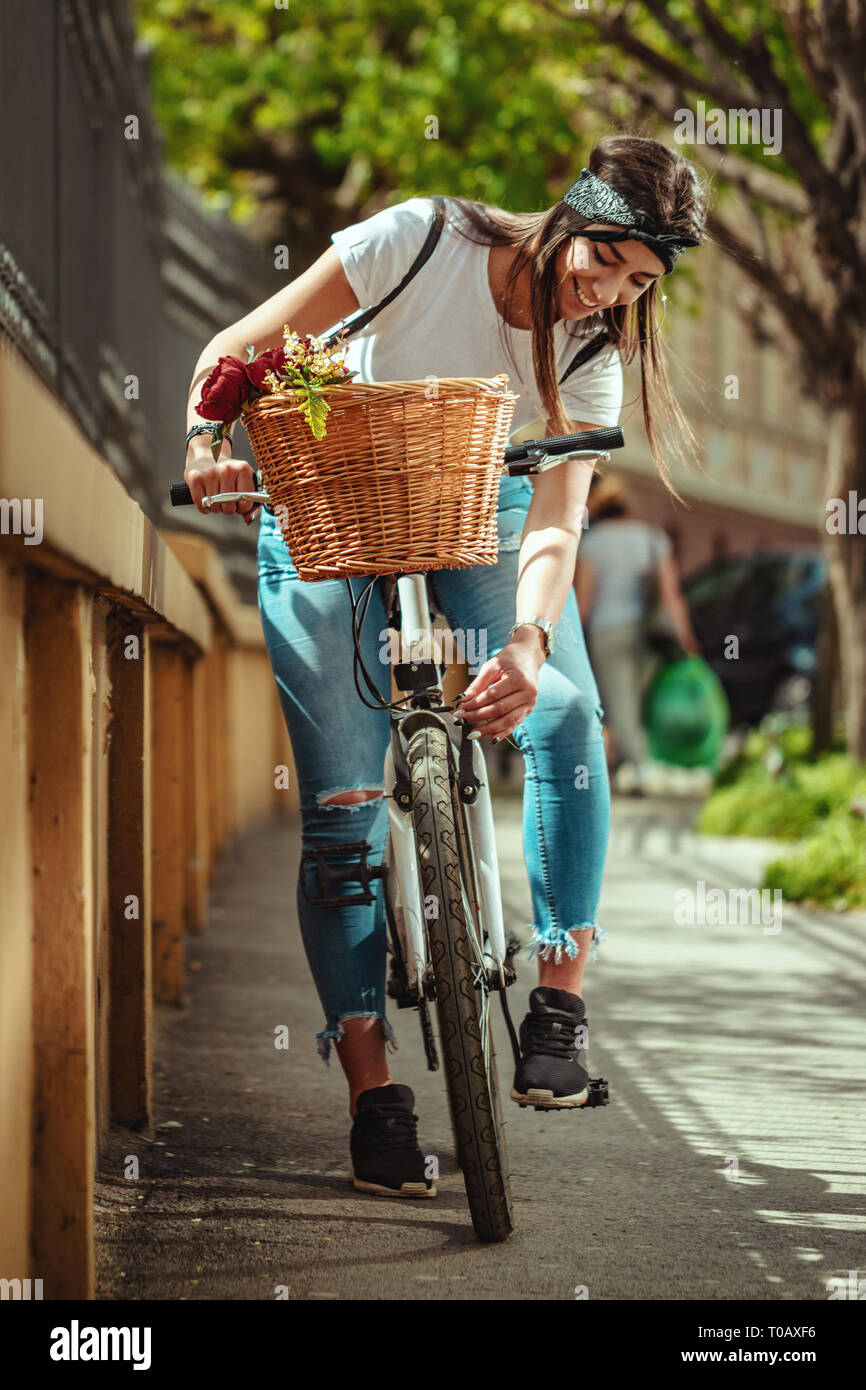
<point>586,353</point>
<point>361,317</point>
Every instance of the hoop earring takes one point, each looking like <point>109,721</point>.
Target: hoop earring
<point>649,337</point>
<point>658,326</point>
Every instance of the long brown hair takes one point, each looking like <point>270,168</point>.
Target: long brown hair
<point>663,185</point>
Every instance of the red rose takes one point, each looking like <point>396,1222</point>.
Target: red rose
<point>271,360</point>
<point>225,391</point>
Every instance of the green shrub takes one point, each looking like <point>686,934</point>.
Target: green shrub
<point>793,741</point>
<point>807,800</point>
<point>830,783</point>
<point>757,806</point>
<point>829,867</point>
<point>788,806</point>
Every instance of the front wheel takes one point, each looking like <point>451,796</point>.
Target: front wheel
<point>462,997</point>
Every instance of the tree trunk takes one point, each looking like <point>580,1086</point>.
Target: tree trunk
<point>822,712</point>
<point>846,558</point>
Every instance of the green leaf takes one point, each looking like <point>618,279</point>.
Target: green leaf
<point>315,410</point>
<point>251,351</point>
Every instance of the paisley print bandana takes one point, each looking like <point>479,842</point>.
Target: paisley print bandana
<point>595,199</point>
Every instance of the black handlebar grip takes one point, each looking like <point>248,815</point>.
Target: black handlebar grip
<point>602,440</point>
<point>181,495</point>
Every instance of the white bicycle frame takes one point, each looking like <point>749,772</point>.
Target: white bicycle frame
<point>416,632</point>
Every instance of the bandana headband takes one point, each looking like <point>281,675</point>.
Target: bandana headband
<point>596,200</point>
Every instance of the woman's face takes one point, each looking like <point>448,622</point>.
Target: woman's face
<point>595,275</point>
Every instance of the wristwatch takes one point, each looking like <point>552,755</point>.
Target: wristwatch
<point>546,628</point>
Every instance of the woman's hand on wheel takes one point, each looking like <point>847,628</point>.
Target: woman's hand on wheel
<point>205,478</point>
<point>506,688</point>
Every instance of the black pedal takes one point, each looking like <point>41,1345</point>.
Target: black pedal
<point>599,1093</point>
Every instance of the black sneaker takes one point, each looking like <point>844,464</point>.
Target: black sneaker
<point>551,1074</point>
<point>386,1158</point>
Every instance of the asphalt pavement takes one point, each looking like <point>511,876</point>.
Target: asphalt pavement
<point>730,1163</point>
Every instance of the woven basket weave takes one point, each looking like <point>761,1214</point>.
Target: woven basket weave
<point>405,479</point>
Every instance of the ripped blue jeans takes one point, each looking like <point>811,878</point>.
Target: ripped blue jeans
<point>339,745</point>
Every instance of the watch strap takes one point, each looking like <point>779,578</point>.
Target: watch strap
<point>544,624</point>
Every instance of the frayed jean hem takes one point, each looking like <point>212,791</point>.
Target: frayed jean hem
<point>553,941</point>
<point>323,1039</point>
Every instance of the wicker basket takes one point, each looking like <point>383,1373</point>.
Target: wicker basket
<point>406,478</point>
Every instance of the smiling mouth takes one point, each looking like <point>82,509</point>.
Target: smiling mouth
<point>577,291</point>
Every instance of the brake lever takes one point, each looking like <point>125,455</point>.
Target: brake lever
<point>260,498</point>
<point>538,461</point>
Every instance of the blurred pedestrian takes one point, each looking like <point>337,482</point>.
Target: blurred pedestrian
<point>623,563</point>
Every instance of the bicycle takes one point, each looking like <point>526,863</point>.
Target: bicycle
<point>444,920</point>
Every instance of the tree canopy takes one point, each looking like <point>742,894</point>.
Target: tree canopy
<point>342,106</point>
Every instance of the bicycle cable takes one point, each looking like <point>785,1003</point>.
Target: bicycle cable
<point>358,659</point>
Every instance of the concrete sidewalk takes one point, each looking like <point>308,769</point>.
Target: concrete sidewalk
<point>729,1164</point>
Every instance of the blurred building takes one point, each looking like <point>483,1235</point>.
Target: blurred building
<point>762,450</point>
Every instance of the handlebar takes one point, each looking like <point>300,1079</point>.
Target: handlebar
<point>537,455</point>
<point>182,497</point>
<point>531,457</point>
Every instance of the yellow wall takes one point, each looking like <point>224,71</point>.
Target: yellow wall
<point>139,729</point>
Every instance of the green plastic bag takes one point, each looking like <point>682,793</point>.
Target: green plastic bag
<point>686,714</point>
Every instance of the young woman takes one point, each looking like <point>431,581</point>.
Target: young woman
<point>513,292</point>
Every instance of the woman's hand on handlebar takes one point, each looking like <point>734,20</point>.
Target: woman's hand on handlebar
<point>205,478</point>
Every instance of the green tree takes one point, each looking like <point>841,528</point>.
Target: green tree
<point>324,112</point>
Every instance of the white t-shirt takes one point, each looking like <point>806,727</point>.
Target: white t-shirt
<point>445,322</point>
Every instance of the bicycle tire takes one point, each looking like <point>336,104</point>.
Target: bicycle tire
<point>467,867</point>
<point>474,1103</point>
